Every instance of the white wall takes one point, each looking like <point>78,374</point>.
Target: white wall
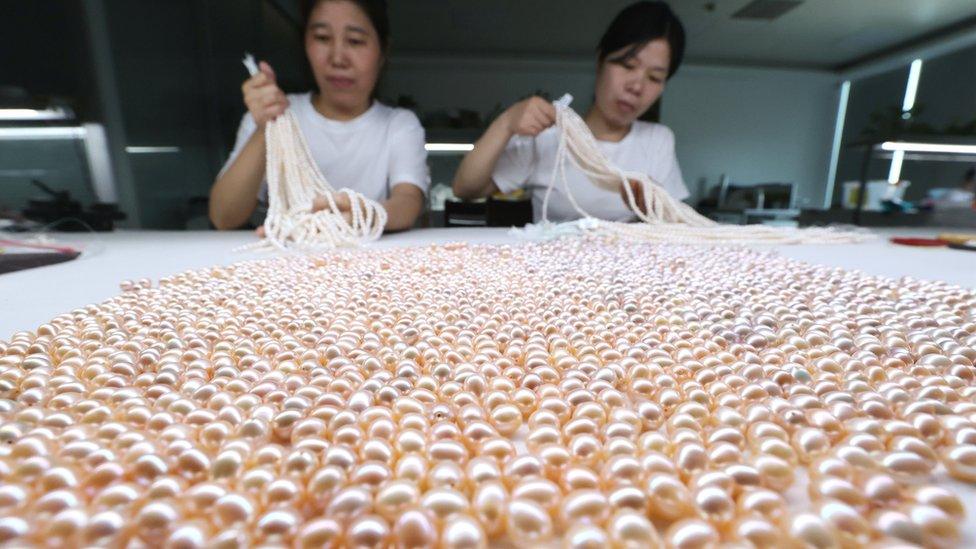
<point>754,124</point>
<point>445,82</point>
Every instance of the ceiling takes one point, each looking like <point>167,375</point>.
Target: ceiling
<point>823,34</point>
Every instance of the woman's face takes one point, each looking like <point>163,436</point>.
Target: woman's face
<point>625,89</point>
<point>344,52</point>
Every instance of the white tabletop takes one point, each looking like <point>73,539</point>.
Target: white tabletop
<point>30,298</point>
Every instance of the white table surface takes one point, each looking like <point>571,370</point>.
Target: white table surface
<point>31,297</point>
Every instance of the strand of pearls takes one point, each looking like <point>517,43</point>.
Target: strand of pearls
<point>666,219</point>
<point>580,392</point>
<point>294,182</point>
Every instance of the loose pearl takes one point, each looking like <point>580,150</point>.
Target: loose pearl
<point>763,502</point>
<point>881,488</point>
<point>463,532</point>
<point>580,505</point>
<point>527,522</point>
<point>757,532</point>
<point>368,531</point>
<point>230,539</point>
<point>895,524</point>
<point>812,531</point>
<point>630,530</point>
<point>544,492</point>
<point>396,497</point>
<point>102,526</point>
<point>667,497</point>
<point>938,528</point>
<point>415,529</point>
<point>715,504</point>
<point>692,533</point>
<point>444,502</point>
<point>324,533</point>
<point>940,498</point>
<point>960,461</point>
<point>851,527</point>
<point>585,536</point>
<point>280,523</point>
<point>349,502</point>
<point>12,528</point>
<point>186,537</point>
<point>774,472</point>
<point>396,399</point>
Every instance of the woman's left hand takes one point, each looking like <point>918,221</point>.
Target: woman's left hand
<point>638,191</point>
<point>342,202</point>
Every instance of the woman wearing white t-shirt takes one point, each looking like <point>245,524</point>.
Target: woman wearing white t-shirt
<point>357,142</point>
<point>639,52</point>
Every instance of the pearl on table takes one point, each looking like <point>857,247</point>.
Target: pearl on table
<point>591,391</point>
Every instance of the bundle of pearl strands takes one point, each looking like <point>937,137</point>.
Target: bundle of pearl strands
<point>295,182</point>
<point>582,392</point>
<point>663,218</point>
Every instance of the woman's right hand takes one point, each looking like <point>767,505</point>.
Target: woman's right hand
<point>530,116</point>
<point>262,96</point>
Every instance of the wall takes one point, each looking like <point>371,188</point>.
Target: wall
<point>755,125</point>
<point>178,74</point>
<point>33,67</point>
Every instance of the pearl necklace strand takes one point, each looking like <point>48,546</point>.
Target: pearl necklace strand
<point>667,219</point>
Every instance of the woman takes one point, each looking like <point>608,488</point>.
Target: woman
<point>357,142</point>
<point>638,53</point>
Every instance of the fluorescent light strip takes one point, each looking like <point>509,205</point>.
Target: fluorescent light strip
<point>894,173</point>
<point>66,132</point>
<point>845,93</point>
<point>152,150</point>
<point>911,89</point>
<point>896,146</point>
<point>448,147</point>
<point>33,114</point>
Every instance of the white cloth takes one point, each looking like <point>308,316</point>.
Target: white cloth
<point>527,163</point>
<point>370,154</point>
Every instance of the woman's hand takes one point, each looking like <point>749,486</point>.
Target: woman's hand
<point>530,116</point>
<point>638,191</point>
<point>342,202</point>
<point>262,96</point>
<point>321,203</point>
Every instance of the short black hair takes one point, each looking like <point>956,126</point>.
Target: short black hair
<point>638,24</point>
<point>375,10</point>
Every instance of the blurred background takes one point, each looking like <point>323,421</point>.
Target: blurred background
<point>781,110</point>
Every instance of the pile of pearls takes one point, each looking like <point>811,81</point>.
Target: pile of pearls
<point>584,392</point>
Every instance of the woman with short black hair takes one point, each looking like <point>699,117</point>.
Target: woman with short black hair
<point>640,50</point>
<point>357,142</point>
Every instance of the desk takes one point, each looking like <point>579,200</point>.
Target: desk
<point>30,298</point>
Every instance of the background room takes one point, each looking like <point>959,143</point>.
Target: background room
<point>780,108</point>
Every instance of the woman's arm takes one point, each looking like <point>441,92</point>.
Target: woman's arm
<point>528,117</point>
<point>233,196</point>
<point>402,208</point>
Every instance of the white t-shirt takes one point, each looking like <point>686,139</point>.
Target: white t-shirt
<point>370,154</point>
<point>527,163</point>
